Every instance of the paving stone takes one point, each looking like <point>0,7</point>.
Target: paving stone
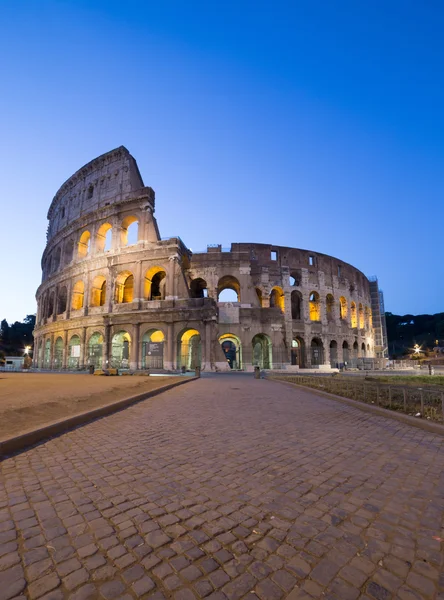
<point>86,592</point>
<point>42,586</point>
<point>112,589</point>
<point>143,586</point>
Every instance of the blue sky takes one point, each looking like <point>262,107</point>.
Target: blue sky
<point>313,125</point>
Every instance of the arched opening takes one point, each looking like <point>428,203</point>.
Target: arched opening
<point>259,296</point>
<point>355,350</point>
<point>124,288</point>
<point>74,352</point>
<point>297,352</point>
<point>153,342</point>
<point>58,353</point>
<point>49,266</point>
<point>104,237</point>
<point>228,289</point>
<point>330,308</point>
<point>155,284</point>
<point>98,291</point>
<point>277,298</point>
<point>353,315</point>
<point>343,310</point>
<point>78,293</point>
<point>129,231</point>
<point>198,288</point>
<point>62,296</point>
<point>368,347</point>
<point>363,349</point>
<point>120,350</point>
<point>296,303</point>
<point>47,358</point>
<point>232,348</point>
<point>262,356</point>
<point>56,259</point>
<point>317,352</point>
<point>361,317</point>
<point>84,244</point>
<point>69,252</point>
<point>95,350</point>
<point>292,280</point>
<point>189,349</point>
<point>345,353</point>
<point>50,305</point>
<point>333,353</point>
<point>368,314</point>
<point>295,277</point>
<point>314,306</point>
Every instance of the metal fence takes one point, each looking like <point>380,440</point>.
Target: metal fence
<point>424,401</point>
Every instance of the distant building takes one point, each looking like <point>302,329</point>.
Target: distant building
<point>13,363</point>
<point>379,322</point>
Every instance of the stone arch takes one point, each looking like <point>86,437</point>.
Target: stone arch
<point>155,284</point>
<point>129,231</point>
<point>104,237</point>
<point>355,349</point>
<point>56,259</point>
<point>120,350</point>
<point>47,355</point>
<point>296,305</point>
<point>232,348</point>
<point>78,294</point>
<point>62,299</point>
<point>74,347</point>
<point>50,305</point>
<point>333,353</point>
<point>295,277</point>
<point>314,306</point>
<point>345,352</point>
<point>58,353</point>
<point>297,353</point>
<point>95,349</point>
<point>353,315</point>
<point>343,308</point>
<point>189,349</point>
<point>330,307</point>
<point>198,288</point>
<point>277,298</point>
<point>228,282</point>
<point>361,316</point>
<point>83,247</point>
<point>98,291</point>
<point>153,346</point>
<point>68,252</point>
<point>124,287</point>
<point>317,352</point>
<point>259,296</point>
<point>363,352</point>
<point>262,351</point>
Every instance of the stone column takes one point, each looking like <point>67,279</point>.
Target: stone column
<point>82,349</point>
<point>86,298</point>
<point>65,350</point>
<point>134,351</point>
<point>169,362</point>
<point>207,366</point>
<point>51,356</point>
<point>106,345</point>
<point>138,292</point>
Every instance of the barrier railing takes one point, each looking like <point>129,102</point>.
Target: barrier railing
<point>419,401</point>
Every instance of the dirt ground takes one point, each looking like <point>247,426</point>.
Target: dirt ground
<point>31,400</point>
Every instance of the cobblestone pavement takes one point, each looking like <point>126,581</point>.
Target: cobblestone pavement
<point>227,487</point>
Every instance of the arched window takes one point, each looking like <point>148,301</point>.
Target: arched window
<point>262,351</point>
<point>345,352</point>
<point>49,266</point>
<point>78,292</point>
<point>361,317</point>
<point>50,305</point>
<point>155,284</point>
<point>363,349</point>
<point>56,259</point>
<point>333,354</point>
<point>58,354</point>
<point>343,308</point>
<point>353,314</point>
<point>315,307</point>
<point>228,283</point>
<point>104,237</point>
<point>355,350</point>
<point>84,244</point>
<point>98,291</point>
<point>129,231</point>
<point>124,287</point>
<point>296,305</point>
<point>69,252</point>
<point>317,352</point>
<point>62,300</point>
<point>259,296</point>
<point>277,298</point>
<point>295,277</point>
<point>198,288</point>
<point>330,307</point>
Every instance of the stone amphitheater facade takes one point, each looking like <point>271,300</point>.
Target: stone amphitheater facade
<point>114,294</point>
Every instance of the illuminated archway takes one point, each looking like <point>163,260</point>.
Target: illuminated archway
<point>120,350</point>
<point>155,284</point>
<point>361,316</point>
<point>47,357</point>
<point>98,291</point>
<point>189,349</point>
<point>330,307</point>
<point>83,246</point>
<point>58,353</point>
<point>78,292</point>
<point>343,309</point>
<point>153,342</point>
<point>95,350</point>
<point>129,231</point>
<point>124,287</point>
<point>262,353</point>
<point>232,349</point>
<point>315,306</point>
<point>104,237</point>
<point>74,352</point>
<point>353,315</point>
<point>277,298</point>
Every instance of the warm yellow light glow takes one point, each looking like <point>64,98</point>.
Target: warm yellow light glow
<point>315,307</point>
<point>277,298</point>
<point>354,318</point>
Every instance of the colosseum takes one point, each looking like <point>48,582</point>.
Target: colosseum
<point>114,294</point>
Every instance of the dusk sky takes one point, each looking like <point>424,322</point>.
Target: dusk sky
<point>318,125</point>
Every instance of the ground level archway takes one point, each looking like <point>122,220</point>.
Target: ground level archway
<point>189,350</point>
<point>262,353</point>
<point>232,348</point>
<point>297,357</point>
<point>95,350</point>
<point>120,350</point>
<point>317,352</point>
<point>153,343</point>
